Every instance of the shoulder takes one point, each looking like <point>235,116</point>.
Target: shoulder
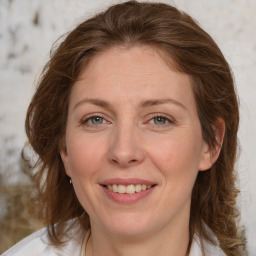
<point>210,249</point>
<point>31,245</point>
<point>38,244</point>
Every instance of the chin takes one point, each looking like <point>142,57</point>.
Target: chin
<point>131,225</point>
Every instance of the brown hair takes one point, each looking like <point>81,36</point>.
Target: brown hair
<point>192,50</point>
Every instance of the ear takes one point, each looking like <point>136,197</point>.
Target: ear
<point>210,155</point>
<point>64,157</point>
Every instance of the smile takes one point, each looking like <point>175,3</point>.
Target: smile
<point>129,189</point>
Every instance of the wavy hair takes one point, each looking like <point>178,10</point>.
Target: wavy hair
<point>189,49</point>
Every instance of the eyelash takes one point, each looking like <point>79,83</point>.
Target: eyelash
<point>85,122</point>
<point>165,118</point>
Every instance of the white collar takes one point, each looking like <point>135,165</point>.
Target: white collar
<point>210,249</point>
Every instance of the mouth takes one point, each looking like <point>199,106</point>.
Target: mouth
<point>128,189</point>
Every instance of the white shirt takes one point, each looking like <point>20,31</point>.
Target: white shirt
<point>37,245</point>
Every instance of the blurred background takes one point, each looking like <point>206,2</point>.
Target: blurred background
<point>28,28</point>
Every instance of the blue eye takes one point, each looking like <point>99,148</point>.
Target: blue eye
<point>94,120</point>
<point>160,120</point>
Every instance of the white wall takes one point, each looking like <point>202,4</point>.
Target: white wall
<point>24,48</point>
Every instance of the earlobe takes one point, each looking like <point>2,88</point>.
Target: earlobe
<point>64,157</point>
<point>210,155</point>
<point>206,158</point>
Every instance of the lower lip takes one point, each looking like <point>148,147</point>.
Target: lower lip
<point>127,198</point>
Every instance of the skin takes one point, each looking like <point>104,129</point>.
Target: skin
<point>127,141</point>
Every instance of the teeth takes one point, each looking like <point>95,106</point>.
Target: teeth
<point>114,187</point>
<point>130,189</point>
<point>121,189</point>
<point>138,188</point>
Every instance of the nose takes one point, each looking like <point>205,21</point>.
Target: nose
<point>125,149</point>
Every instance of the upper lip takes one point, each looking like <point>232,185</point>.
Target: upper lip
<point>121,181</point>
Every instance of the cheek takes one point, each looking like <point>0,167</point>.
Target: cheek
<point>85,154</point>
<point>177,157</point>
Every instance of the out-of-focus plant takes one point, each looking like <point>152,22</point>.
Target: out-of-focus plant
<point>19,213</point>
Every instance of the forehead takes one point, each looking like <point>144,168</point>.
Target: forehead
<point>132,58</point>
<point>128,73</point>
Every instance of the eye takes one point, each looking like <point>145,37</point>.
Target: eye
<point>94,121</point>
<point>160,121</point>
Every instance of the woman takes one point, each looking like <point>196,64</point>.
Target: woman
<point>135,123</point>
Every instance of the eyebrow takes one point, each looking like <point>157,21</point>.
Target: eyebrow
<point>97,102</point>
<point>154,102</point>
<point>143,104</point>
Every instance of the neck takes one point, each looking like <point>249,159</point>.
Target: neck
<point>162,243</point>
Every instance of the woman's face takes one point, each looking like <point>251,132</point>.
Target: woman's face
<point>133,142</point>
